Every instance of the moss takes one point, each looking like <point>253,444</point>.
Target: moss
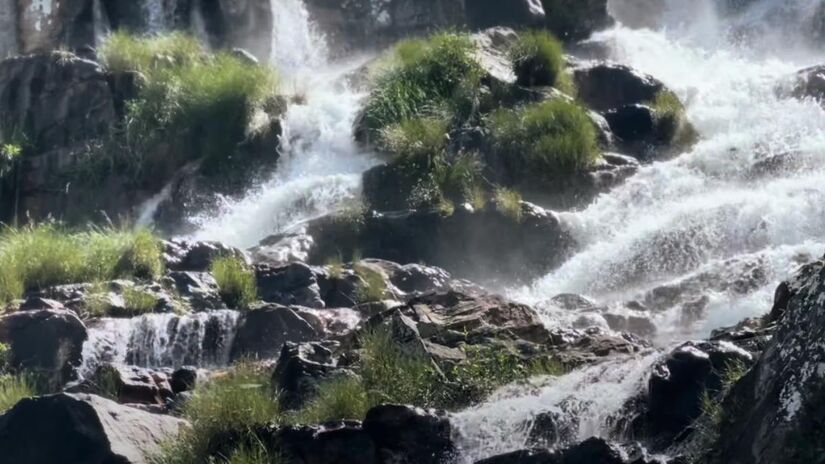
<point>545,140</point>
<point>236,281</point>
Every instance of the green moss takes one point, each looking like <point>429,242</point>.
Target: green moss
<point>236,281</point>
<point>538,60</point>
<point>423,75</point>
<point>41,255</point>
<point>545,140</point>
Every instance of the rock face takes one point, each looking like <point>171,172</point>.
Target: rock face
<point>576,19</point>
<point>262,332</point>
<point>301,368</point>
<point>81,428</point>
<point>592,450</point>
<point>184,255</point>
<point>8,28</point>
<point>48,342</point>
<point>775,412</point>
<point>46,25</point>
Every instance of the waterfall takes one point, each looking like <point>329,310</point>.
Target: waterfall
<point>161,340</point>
<point>320,166</point>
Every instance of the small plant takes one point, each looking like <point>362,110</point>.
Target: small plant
<point>97,301</point>
<point>10,153</point>
<point>342,398</point>
<point>538,60</point>
<point>545,139</point>
<point>416,138</point>
<point>371,285</point>
<point>459,180</point>
<point>139,301</point>
<point>236,281</point>
<point>335,266</point>
<point>673,125</point>
<point>508,203</point>
<point>14,388</point>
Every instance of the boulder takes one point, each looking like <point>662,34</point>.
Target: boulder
<point>262,332</point>
<point>292,284</point>
<point>301,368</point>
<point>184,379</point>
<point>185,255</point>
<point>592,450</point>
<point>575,347</point>
<point>49,342</point>
<point>9,41</point>
<point>132,384</point>
<point>774,413</point>
<point>35,303</point>
<point>404,434</point>
<point>81,428</point>
<point>342,442</point>
<point>50,25</point>
<point>199,289</point>
<point>607,86</point>
<point>517,13</point>
<point>573,20</point>
<point>810,83</point>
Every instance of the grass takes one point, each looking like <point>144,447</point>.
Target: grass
<point>41,255</point>
<point>416,138</point>
<point>538,60</point>
<point>371,285</point>
<point>14,388</point>
<point>709,424</point>
<point>236,281</point>
<point>337,399</point>
<point>198,102</point>
<point>545,139</point>
<point>139,301</point>
<point>235,403</point>
<point>508,203</point>
<point>425,75</point>
<point>674,127</point>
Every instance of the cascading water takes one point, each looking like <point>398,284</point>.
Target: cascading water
<point>161,340</point>
<point>320,166</point>
<point>745,205</point>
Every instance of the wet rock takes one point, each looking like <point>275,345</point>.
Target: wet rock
<point>47,342</point>
<point>263,331</point>
<point>574,347</point>
<point>677,384</point>
<point>810,83</point>
<point>36,303</point>
<point>555,428</point>
<point>752,335</point>
<point>518,13</point>
<point>607,86</point>
<point>334,442</point>
<point>81,428</point>
<point>185,255</point>
<point>592,450</point>
<point>637,325</point>
<point>199,289</point>
<point>404,434</point>
<point>293,284</point>
<point>574,20</point>
<point>184,379</point>
<point>301,368</point>
<point>131,384</point>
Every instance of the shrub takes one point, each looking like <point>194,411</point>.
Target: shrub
<point>508,203</point>
<point>235,403</point>
<point>459,180</point>
<point>439,73</point>
<point>538,60</point>
<point>342,398</point>
<point>14,388</point>
<point>41,255</point>
<point>235,280</point>
<point>371,285</point>
<point>545,139</point>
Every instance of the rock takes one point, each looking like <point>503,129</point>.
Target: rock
<point>199,289</point>
<point>592,450</point>
<point>48,342</point>
<point>518,13</point>
<point>492,53</point>
<point>292,284</point>
<point>342,442</point>
<point>9,44</point>
<point>404,434</point>
<point>132,384</point>
<point>81,428</point>
<point>184,379</point>
<point>552,429</point>
<point>301,368</point>
<point>263,331</point>
<point>637,325</point>
<point>774,413</point>
<point>43,27</point>
<point>573,20</point>
<point>752,335</point>
<point>639,13</point>
<point>677,384</point>
<point>573,347</point>
<point>36,303</point>
<point>184,255</point>
<point>609,86</point>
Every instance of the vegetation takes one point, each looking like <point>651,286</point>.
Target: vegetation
<point>13,387</point>
<point>138,301</point>
<point>341,398</point>
<point>538,60</point>
<point>371,285</point>
<point>236,281</point>
<point>235,403</point>
<point>200,103</point>
<point>508,203</point>
<point>545,139</point>
<point>673,124</point>
<point>425,76</point>
<point>42,255</point>
<point>709,424</point>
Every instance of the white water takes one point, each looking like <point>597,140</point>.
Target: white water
<point>698,214</point>
<point>161,340</point>
<point>320,166</point>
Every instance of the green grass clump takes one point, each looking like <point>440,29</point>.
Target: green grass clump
<point>508,202</point>
<point>41,255</point>
<point>538,60</point>
<point>545,139</point>
<point>337,399</point>
<point>416,138</point>
<point>425,75</point>
<point>236,281</point>
<point>371,285</point>
<point>139,301</point>
<point>201,103</point>
<point>673,124</point>
<point>234,403</point>
<point>14,388</point>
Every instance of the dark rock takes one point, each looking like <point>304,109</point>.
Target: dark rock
<point>555,428</point>
<point>590,451</point>
<point>37,303</point>
<point>404,434</point>
<point>519,13</point>
<point>132,384</point>
<point>637,325</point>
<point>752,335</point>
<point>199,289</point>
<point>263,331</point>
<point>344,442</point>
<point>301,368</point>
<point>810,83</point>
<point>184,255</point>
<point>609,86</point>
<point>293,284</point>
<point>573,20</point>
<point>48,342</point>
<point>574,347</point>
<point>184,379</point>
<point>536,456</point>
<point>81,429</point>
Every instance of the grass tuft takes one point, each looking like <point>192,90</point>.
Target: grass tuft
<point>538,60</point>
<point>371,285</point>
<point>545,139</point>
<point>236,281</point>
<point>337,399</point>
<point>139,301</point>
<point>508,203</point>
<point>14,388</point>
